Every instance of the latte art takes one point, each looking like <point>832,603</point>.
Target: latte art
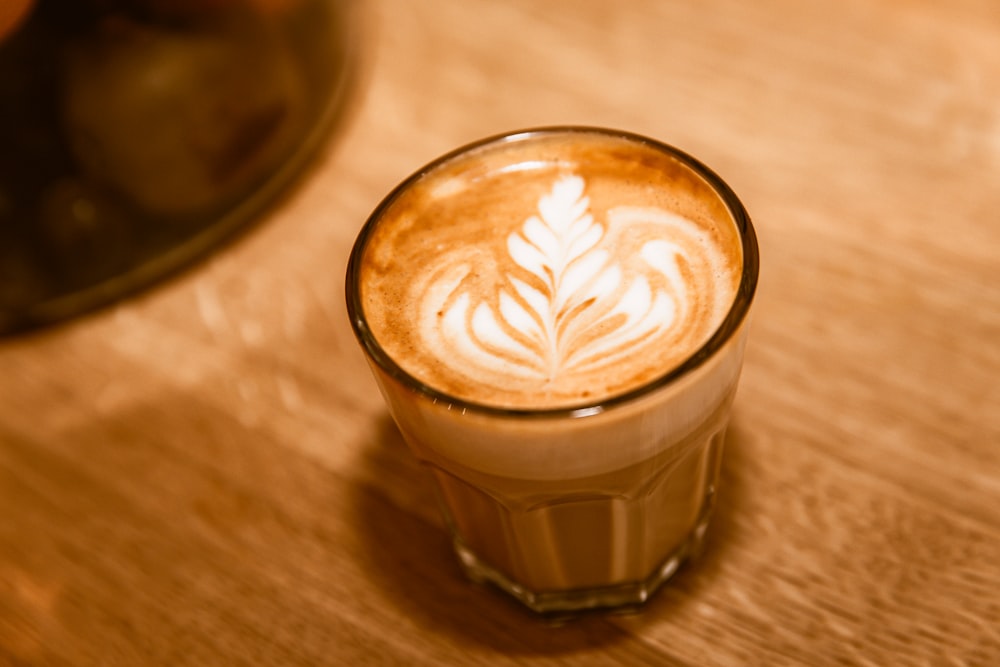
<point>554,273</point>
<point>575,295</point>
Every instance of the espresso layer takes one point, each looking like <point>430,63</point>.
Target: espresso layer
<point>553,272</point>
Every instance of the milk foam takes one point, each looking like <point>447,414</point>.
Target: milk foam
<point>548,299</point>
<point>566,306</point>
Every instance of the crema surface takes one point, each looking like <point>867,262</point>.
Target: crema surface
<point>556,271</point>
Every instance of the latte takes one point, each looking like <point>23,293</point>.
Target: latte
<point>557,319</point>
<point>550,273</point>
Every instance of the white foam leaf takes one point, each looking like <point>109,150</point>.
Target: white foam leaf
<point>541,236</point>
<point>527,255</point>
<point>564,304</point>
<point>538,302</point>
<point>578,276</point>
<point>517,317</point>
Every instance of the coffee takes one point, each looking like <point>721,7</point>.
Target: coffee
<point>549,274</point>
<point>556,320</point>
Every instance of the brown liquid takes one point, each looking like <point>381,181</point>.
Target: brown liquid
<point>598,531</point>
<point>536,308</point>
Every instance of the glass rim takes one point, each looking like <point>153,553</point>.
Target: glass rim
<point>729,326</point>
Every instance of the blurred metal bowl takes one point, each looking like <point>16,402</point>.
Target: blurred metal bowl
<point>136,136</point>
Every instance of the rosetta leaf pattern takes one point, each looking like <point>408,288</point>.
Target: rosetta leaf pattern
<point>557,247</point>
<point>564,304</point>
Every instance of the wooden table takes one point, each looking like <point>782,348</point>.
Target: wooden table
<point>205,475</point>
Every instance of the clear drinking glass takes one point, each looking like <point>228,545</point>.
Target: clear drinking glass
<point>593,504</point>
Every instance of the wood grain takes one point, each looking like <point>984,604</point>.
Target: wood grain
<point>205,474</point>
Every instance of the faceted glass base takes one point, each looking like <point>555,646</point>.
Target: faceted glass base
<point>631,594</point>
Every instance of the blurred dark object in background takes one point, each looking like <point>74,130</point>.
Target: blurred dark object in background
<point>137,135</point>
